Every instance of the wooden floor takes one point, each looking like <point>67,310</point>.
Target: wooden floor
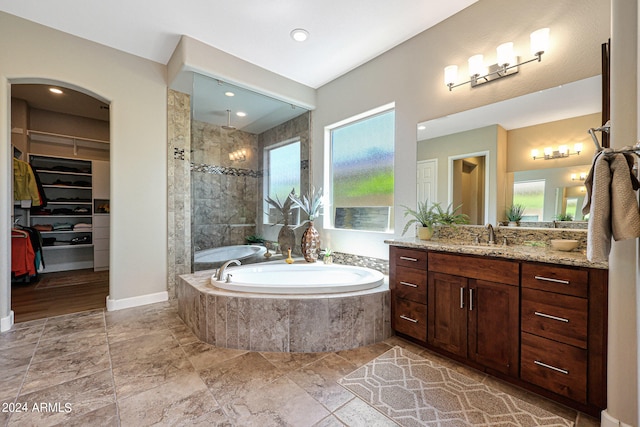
<point>29,303</point>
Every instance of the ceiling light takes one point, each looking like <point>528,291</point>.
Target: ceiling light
<point>299,34</point>
<point>241,114</point>
<point>230,94</point>
<point>55,90</point>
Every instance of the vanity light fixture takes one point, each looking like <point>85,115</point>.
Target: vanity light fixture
<point>552,153</point>
<point>238,155</point>
<point>507,62</point>
<point>578,177</point>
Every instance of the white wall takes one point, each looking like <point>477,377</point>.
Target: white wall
<point>136,89</point>
<point>412,76</point>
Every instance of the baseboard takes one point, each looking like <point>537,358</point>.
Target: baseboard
<point>607,420</point>
<point>6,322</point>
<point>120,304</point>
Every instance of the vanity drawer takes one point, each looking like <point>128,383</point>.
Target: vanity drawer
<point>490,269</point>
<point>553,278</point>
<point>558,317</point>
<point>410,318</point>
<point>557,367</point>
<point>411,258</point>
<point>411,284</point>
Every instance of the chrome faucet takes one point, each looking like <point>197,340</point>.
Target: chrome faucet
<point>492,234</point>
<point>220,275</point>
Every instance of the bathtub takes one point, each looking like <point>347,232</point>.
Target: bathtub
<point>215,257</point>
<point>299,278</point>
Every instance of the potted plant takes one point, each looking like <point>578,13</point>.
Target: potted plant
<point>564,217</point>
<point>286,236</point>
<point>425,216</point>
<point>310,204</point>
<point>514,214</point>
<point>450,216</point>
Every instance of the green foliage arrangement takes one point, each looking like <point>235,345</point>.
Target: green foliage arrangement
<point>515,212</point>
<point>425,215</point>
<point>564,217</point>
<point>450,216</point>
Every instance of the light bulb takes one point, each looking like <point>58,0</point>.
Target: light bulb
<point>476,66</point>
<point>563,150</point>
<point>535,153</point>
<point>450,74</point>
<point>548,151</point>
<point>539,41</point>
<point>577,147</point>
<point>505,54</point>
<point>574,177</point>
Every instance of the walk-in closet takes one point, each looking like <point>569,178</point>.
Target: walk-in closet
<point>61,201</point>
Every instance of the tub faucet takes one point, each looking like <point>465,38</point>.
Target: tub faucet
<point>221,270</point>
<point>492,235</point>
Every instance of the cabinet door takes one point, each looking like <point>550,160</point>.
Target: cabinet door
<point>447,313</point>
<point>101,187</point>
<point>493,325</point>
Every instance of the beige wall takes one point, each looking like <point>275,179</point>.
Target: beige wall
<point>136,90</point>
<point>570,131</point>
<point>412,76</point>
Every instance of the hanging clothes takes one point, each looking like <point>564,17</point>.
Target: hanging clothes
<point>22,254</point>
<point>25,187</point>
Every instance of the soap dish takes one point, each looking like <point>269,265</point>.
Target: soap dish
<point>564,245</point>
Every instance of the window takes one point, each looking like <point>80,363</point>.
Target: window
<point>360,181</point>
<point>282,163</point>
<point>530,194</point>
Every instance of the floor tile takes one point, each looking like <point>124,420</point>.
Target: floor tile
<point>362,355</point>
<point>292,361</point>
<point>203,355</point>
<point>182,401</point>
<point>279,403</point>
<point>330,421</point>
<point>72,324</point>
<point>68,344</point>
<point>107,416</point>
<point>236,377</point>
<point>319,379</point>
<point>19,337</point>
<point>49,372</point>
<point>66,401</point>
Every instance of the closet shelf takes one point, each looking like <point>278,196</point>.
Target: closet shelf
<point>57,138</point>
<point>58,247</point>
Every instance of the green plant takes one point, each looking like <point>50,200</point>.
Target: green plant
<point>310,203</point>
<point>284,207</point>
<point>450,216</point>
<point>425,215</point>
<point>564,217</point>
<point>515,212</point>
<point>254,239</point>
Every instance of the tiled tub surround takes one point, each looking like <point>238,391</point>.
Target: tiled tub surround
<point>284,323</point>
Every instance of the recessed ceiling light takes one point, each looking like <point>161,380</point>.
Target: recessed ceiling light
<point>230,94</point>
<point>422,127</point>
<point>55,90</point>
<point>241,114</point>
<point>299,34</point>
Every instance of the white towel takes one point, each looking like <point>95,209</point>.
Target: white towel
<point>611,203</point>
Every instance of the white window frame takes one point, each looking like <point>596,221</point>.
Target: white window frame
<point>327,220</point>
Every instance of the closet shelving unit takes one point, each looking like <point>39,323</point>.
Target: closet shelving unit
<point>67,184</point>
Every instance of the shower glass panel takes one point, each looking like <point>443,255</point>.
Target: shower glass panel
<point>230,129</point>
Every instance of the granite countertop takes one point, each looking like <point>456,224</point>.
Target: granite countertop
<point>516,252</point>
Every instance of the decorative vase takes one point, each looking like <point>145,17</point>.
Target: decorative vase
<point>289,260</point>
<point>513,224</point>
<point>310,243</point>
<point>286,237</point>
<point>424,233</point>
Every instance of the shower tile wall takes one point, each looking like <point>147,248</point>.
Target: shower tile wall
<point>224,192</point>
<point>179,189</point>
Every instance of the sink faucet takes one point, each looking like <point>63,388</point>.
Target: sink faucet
<point>220,275</point>
<point>492,234</point>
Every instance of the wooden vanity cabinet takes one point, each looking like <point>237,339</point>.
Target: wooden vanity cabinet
<point>408,284</point>
<point>563,331</point>
<point>473,309</point>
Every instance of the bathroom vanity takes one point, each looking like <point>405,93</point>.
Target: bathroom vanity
<point>530,316</point>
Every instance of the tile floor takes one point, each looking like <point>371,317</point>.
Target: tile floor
<point>142,366</point>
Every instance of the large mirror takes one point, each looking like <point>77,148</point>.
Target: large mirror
<point>244,146</point>
<point>484,158</point>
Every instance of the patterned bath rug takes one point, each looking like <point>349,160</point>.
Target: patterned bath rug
<point>414,391</point>
<point>86,277</point>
